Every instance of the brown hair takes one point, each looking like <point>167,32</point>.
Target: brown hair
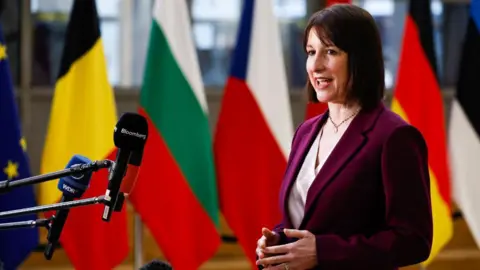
<point>353,30</point>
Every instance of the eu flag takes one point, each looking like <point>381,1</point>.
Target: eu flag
<point>15,244</point>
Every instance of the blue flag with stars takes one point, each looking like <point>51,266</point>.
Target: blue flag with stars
<point>15,244</point>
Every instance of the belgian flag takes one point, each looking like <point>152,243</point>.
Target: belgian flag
<point>464,129</point>
<point>417,98</point>
<point>82,120</point>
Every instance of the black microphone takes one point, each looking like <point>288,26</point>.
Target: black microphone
<point>72,187</point>
<point>130,135</point>
<point>156,265</point>
<point>128,182</point>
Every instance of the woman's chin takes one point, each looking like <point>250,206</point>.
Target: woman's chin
<point>323,96</point>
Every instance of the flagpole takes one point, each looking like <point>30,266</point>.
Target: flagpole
<point>126,45</point>
<point>25,67</point>
<point>126,48</point>
<point>138,242</point>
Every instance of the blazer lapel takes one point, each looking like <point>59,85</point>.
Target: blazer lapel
<point>350,143</point>
<point>297,161</point>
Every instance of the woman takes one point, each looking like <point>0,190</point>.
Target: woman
<point>356,192</point>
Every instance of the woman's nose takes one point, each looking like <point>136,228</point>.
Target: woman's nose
<point>319,63</point>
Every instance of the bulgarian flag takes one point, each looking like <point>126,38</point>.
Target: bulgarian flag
<point>176,193</point>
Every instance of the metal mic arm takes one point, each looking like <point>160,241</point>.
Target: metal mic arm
<point>6,185</point>
<point>43,222</point>
<point>55,206</point>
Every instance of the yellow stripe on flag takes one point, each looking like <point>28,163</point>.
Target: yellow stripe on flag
<point>82,118</point>
<point>442,218</point>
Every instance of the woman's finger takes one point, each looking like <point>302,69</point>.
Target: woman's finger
<point>274,260</point>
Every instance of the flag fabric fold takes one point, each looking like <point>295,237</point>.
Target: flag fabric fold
<point>254,129</point>
<point>464,128</point>
<point>176,193</point>
<point>15,244</point>
<point>418,100</point>
<point>82,120</point>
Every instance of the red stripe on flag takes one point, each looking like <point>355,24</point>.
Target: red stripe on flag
<point>331,2</point>
<point>250,166</point>
<point>314,109</point>
<point>162,196</point>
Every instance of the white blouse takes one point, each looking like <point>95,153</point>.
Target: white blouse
<point>305,178</point>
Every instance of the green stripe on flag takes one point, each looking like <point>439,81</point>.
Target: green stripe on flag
<point>170,102</point>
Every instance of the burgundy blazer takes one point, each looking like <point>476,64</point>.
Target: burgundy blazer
<point>369,206</point>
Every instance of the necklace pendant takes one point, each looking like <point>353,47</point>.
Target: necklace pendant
<point>335,130</point>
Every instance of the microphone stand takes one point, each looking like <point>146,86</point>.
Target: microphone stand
<point>47,223</point>
<point>55,206</point>
<point>43,222</point>
<point>6,185</point>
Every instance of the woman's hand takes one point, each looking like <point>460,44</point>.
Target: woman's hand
<point>269,238</point>
<point>299,255</point>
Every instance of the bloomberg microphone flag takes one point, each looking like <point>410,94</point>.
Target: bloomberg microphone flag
<point>254,129</point>
<point>417,99</point>
<point>15,244</point>
<point>464,129</point>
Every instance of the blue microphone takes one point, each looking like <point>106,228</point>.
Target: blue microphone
<point>72,187</point>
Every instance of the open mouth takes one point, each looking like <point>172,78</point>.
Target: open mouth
<point>322,82</point>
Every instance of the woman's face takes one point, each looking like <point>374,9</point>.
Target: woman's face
<point>327,68</point>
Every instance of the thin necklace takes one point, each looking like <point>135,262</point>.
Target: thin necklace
<point>344,120</point>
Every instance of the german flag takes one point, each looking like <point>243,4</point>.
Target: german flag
<point>314,109</point>
<point>82,120</point>
<point>417,98</point>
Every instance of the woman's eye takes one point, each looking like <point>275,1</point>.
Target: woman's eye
<point>309,53</point>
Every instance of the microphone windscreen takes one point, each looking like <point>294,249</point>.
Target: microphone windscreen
<point>131,132</point>
<point>157,265</point>
<point>132,172</point>
<point>129,179</point>
<point>75,185</point>
<point>136,158</point>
